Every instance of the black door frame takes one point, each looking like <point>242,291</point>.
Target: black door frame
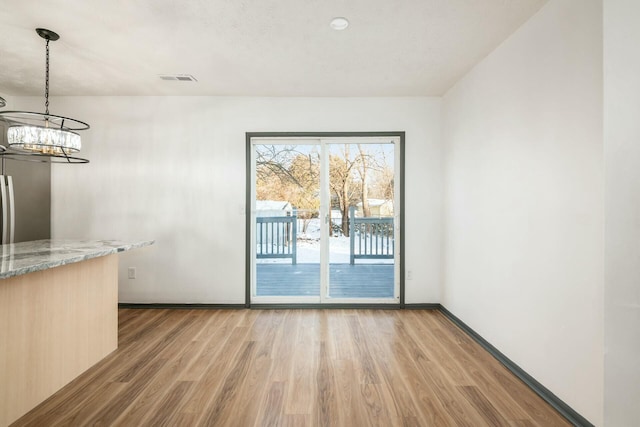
<point>249,135</point>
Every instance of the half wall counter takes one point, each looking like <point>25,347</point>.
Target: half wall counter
<point>58,316</point>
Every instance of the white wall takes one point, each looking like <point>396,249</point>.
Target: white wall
<point>622,212</point>
<point>173,169</point>
<point>8,107</point>
<point>9,100</point>
<point>523,262</point>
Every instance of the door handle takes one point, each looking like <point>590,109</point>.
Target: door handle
<point>12,210</point>
<point>3,200</point>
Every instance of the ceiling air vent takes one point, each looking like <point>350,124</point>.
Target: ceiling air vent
<point>178,77</point>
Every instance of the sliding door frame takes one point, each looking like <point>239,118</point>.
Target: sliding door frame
<point>400,135</point>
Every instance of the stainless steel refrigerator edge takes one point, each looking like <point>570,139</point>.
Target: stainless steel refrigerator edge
<point>32,196</point>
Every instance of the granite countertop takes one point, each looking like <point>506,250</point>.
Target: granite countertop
<point>27,257</point>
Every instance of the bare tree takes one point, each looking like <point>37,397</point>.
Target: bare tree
<point>286,173</point>
<point>363,166</point>
<point>380,175</point>
<point>342,184</point>
<point>292,174</point>
<point>305,194</point>
<point>274,161</point>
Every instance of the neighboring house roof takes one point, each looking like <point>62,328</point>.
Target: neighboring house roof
<point>272,205</point>
<point>376,202</point>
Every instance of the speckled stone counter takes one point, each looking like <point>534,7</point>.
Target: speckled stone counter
<point>58,316</point>
<point>27,257</point>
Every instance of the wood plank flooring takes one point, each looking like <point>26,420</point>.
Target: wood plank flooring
<point>293,368</point>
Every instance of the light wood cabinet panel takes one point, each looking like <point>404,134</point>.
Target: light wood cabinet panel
<point>54,325</point>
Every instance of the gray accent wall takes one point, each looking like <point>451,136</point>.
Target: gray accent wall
<point>32,186</point>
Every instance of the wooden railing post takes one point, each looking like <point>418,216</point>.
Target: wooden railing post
<point>294,237</point>
<point>352,235</point>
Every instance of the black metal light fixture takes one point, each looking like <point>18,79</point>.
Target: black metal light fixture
<point>43,136</point>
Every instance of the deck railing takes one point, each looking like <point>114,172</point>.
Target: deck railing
<point>370,238</point>
<point>276,236</point>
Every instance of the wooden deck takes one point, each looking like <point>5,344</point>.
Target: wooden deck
<point>345,280</point>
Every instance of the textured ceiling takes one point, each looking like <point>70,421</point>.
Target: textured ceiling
<point>251,47</point>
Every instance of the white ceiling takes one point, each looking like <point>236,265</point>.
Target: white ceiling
<point>251,47</point>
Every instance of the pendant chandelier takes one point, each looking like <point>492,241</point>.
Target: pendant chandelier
<point>43,136</point>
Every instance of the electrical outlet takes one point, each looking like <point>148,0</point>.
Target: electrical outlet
<point>409,275</point>
<point>132,272</point>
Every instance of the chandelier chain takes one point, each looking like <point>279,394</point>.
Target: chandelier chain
<point>46,83</point>
<point>42,137</point>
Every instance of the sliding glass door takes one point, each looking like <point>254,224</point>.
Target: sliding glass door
<point>361,239</point>
<point>324,219</point>
<point>286,211</point>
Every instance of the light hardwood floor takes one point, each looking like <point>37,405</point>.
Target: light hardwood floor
<point>293,368</point>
